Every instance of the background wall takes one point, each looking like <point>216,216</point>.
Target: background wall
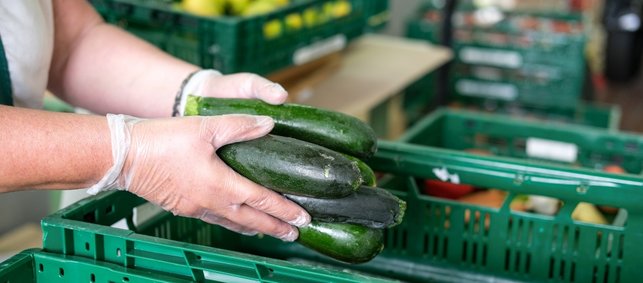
<point>400,10</point>
<point>18,208</point>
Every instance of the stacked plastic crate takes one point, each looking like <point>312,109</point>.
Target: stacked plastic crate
<point>518,58</point>
<point>297,33</point>
<point>530,63</point>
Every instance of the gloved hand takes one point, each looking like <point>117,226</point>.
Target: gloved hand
<point>172,162</point>
<point>211,83</point>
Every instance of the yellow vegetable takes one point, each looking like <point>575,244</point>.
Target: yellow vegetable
<point>272,29</point>
<point>294,21</point>
<point>260,7</point>
<point>342,8</point>
<point>206,8</point>
<point>587,212</point>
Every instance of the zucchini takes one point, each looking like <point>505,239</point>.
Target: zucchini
<point>368,176</point>
<point>349,243</point>
<point>372,207</point>
<point>292,166</point>
<point>330,129</point>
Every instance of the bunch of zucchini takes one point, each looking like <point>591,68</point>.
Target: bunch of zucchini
<point>314,158</point>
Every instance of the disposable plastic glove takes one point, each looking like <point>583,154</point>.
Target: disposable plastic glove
<point>211,83</point>
<point>173,163</point>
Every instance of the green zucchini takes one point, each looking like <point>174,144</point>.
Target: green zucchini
<point>372,207</point>
<point>292,166</point>
<point>349,243</point>
<point>368,176</point>
<point>330,129</point>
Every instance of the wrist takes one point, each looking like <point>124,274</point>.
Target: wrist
<point>120,139</point>
<point>191,85</point>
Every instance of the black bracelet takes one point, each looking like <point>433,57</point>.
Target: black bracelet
<point>179,95</point>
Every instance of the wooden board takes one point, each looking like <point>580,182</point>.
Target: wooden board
<point>373,69</point>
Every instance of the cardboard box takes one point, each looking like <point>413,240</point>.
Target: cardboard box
<point>366,80</point>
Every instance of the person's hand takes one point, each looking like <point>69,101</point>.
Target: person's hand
<point>211,83</point>
<point>173,163</point>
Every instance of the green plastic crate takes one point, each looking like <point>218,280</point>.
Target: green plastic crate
<point>419,100</point>
<point>551,23</point>
<point>378,15</point>
<point>560,8</point>
<point>234,44</point>
<point>422,29</point>
<point>547,73</point>
<point>591,114</point>
<point>540,66</point>
<point>516,245</point>
<point>548,70</point>
<point>419,96</point>
<point>577,145</point>
<point>565,93</point>
<point>32,266</point>
<point>19,268</point>
<point>182,249</point>
<point>606,116</point>
<point>434,243</point>
<point>564,53</point>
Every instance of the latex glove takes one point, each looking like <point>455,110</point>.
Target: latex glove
<point>172,162</point>
<point>211,83</point>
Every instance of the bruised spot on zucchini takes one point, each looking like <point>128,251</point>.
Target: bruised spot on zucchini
<point>372,207</point>
<point>368,176</point>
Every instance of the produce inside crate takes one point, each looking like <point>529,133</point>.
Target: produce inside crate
<point>439,240</point>
<point>260,42</point>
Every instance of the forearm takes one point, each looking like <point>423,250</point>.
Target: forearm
<point>45,150</point>
<point>106,70</point>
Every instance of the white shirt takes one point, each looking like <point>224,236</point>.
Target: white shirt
<point>27,31</point>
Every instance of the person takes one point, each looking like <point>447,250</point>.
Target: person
<point>66,47</point>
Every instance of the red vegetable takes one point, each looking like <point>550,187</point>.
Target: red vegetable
<point>446,190</point>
